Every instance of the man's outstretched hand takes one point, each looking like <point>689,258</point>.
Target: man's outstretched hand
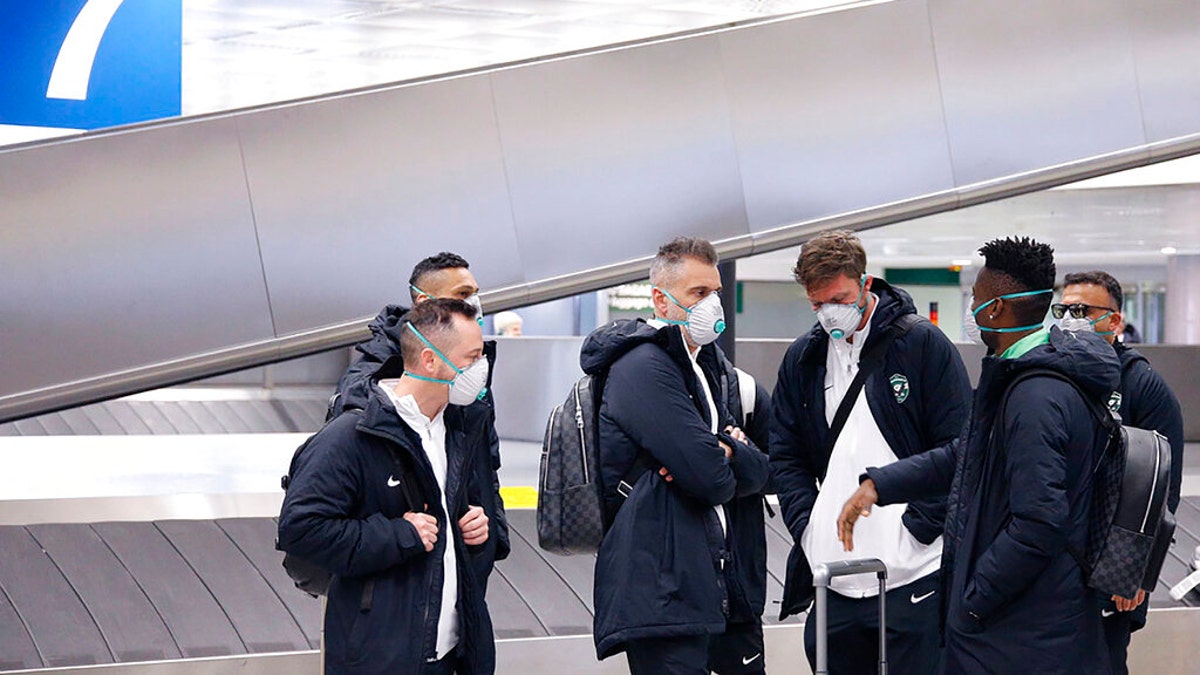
<point>859,504</point>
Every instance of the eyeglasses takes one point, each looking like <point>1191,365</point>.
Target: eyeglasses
<point>1077,310</point>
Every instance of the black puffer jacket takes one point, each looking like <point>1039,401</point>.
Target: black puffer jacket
<point>920,399</point>
<point>354,389</point>
<point>1020,489</point>
<point>344,511</point>
<point>659,568</point>
<point>1148,403</point>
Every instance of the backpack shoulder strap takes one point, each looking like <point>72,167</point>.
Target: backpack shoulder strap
<point>1108,420</point>
<point>748,393</point>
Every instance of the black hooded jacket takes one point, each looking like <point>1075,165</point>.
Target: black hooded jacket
<point>344,511</point>
<point>920,399</point>
<point>1020,489</point>
<point>664,567</point>
<point>354,390</point>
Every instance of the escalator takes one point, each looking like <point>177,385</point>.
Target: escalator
<point>150,255</point>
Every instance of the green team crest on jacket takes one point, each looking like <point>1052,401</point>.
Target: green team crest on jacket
<point>899,387</point>
<point>1114,401</point>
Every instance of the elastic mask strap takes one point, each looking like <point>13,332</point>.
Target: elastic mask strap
<point>1098,320</point>
<point>428,379</point>
<point>672,298</point>
<point>420,292</point>
<point>1017,329</point>
<point>435,351</point>
<point>862,288</point>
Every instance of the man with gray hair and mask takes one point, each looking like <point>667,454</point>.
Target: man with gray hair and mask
<point>680,574</point>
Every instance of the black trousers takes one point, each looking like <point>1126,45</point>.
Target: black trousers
<point>737,651</point>
<point>447,665</point>
<point>1117,629</point>
<point>912,631</point>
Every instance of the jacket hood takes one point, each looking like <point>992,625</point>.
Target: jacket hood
<point>384,329</point>
<point>1083,356</point>
<point>609,342</point>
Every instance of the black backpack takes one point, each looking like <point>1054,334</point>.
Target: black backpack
<point>571,513</point>
<point>1130,528</point>
<point>308,576</point>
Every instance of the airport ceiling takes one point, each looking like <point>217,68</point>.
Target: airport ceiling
<point>1135,218</point>
<point>238,53</point>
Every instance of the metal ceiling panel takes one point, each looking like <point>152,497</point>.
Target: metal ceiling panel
<point>125,249</point>
<point>350,193</point>
<point>1051,83</point>
<point>611,154</point>
<point>1166,57</point>
<point>837,112</point>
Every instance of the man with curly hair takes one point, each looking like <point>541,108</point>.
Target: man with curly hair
<point>1019,481</point>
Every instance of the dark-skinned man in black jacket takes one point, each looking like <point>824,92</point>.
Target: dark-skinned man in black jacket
<point>1019,481</point>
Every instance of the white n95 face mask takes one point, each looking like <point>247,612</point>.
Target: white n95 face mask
<point>841,320</point>
<point>469,384</point>
<point>970,328</point>
<point>706,319</point>
<point>474,301</point>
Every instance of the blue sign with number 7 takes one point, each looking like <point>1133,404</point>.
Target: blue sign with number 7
<point>85,64</point>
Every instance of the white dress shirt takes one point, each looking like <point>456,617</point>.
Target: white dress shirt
<point>861,444</point>
<point>433,442</point>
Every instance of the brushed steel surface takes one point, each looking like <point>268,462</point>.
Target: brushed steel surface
<point>1168,82</point>
<point>116,254</point>
<point>350,193</point>
<point>610,155</point>
<point>1164,646</point>
<point>1052,82</point>
<point>835,113</point>
<point>133,262</point>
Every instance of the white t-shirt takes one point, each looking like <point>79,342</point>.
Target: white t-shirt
<point>861,444</point>
<point>433,441</point>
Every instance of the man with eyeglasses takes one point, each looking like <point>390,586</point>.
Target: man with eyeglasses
<point>1092,301</point>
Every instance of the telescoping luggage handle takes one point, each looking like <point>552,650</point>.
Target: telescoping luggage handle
<point>822,574</point>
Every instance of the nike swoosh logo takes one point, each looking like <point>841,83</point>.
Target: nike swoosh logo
<point>1106,613</point>
<point>918,598</point>
<point>392,482</point>
<point>752,659</point>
